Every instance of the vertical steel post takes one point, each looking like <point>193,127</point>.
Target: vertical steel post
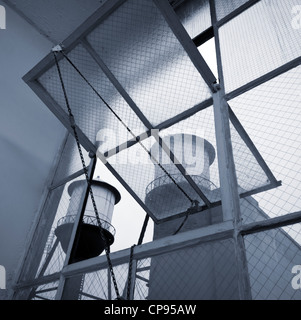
<point>133,279</point>
<point>229,189</point>
<point>227,172</point>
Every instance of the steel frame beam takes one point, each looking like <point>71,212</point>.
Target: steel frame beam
<point>162,126</point>
<point>217,232</point>
<point>34,252</point>
<point>44,267</point>
<point>131,192</point>
<point>75,38</point>
<point>180,167</point>
<point>185,114</point>
<point>67,179</point>
<point>229,191</point>
<point>236,12</point>
<point>264,78</point>
<point>227,171</point>
<point>31,260</point>
<point>72,41</point>
<point>79,36</point>
<point>203,37</point>
<point>272,223</point>
<point>247,140</point>
<point>186,239</point>
<point>24,285</point>
<point>164,245</point>
<point>185,40</point>
<point>95,56</point>
<point>58,111</point>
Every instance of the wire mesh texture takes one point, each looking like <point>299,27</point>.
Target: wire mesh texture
<point>225,7</point>
<point>258,41</point>
<point>204,272</point>
<point>271,257</point>
<point>54,256</point>
<point>137,45</point>
<point>142,279</point>
<point>161,82</point>
<point>67,203</point>
<point>98,285</point>
<point>198,272</point>
<point>144,56</point>
<point>195,16</point>
<point>144,175</point>
<point>45,292</point>
<point>70,161</point>
<point>176,275</point>
<point>249,173</point>
<point>271,115</point>
<point>90,113</point>
<point>155,188</point>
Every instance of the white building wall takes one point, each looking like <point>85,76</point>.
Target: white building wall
<point>30,137</point>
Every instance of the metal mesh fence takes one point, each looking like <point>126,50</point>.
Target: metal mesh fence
<point>195,16</point>
<point>250,174</point>
<point>147,179</point>
<point>54,255</point>
<point>91,115</point>
<point>142,279</point>
<point>164,194</point>
<point>45,292</point>
<point>264,40</point>
<point>208,271</point>
<point>199,272</point>
<point>225,7</point>
<point>70,161</point>
<point>140,49</point>
<point>271,257</point>
<point>251,210</point>
<point>270,113</point>
<point>146,58</point>
<point>97,285</point>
